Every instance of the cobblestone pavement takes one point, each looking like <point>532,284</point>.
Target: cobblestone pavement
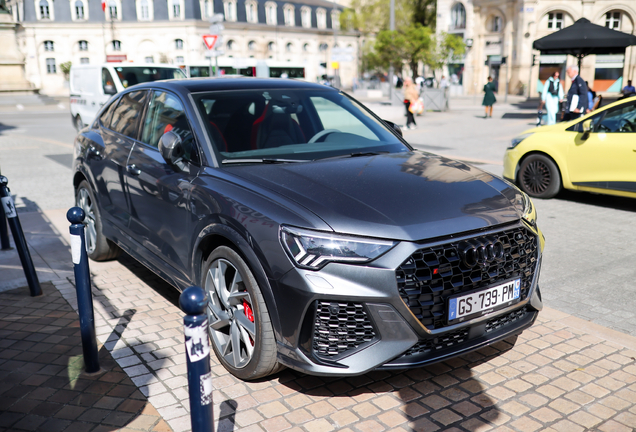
<point>41,369</point>
<point>563,374</point>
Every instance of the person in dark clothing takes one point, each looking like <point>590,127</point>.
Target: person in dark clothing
<point>489,97</point>
<point>576,104</point>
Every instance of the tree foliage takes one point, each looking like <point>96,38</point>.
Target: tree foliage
<point>445,46</point>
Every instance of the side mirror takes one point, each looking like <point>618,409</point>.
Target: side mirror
<point>587,128</point>
<point>171,148</point>
<point>110,89</point>
<point>395,127</point>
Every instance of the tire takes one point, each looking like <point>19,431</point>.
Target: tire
<point>243,339</point>
<point>539,176</point>
<point>79,124</point>
<point>98,247</point>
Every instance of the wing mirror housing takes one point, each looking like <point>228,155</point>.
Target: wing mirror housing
<point>587,128</point>
<point>110,89</point>
<point>171,148</point>
<point>395,127</point>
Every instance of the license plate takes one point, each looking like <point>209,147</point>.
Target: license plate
<point>485,301</point>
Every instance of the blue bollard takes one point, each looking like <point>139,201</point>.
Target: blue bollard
<point>18,237</point>
<point>83,287</point>
<point>193,301</point>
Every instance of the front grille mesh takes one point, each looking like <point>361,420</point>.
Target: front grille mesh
<point>432,274</point>
<point>444,341</point>
<point>503,320</point>
<point>340,326</point>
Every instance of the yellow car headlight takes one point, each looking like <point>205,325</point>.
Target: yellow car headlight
<point>516,140</point>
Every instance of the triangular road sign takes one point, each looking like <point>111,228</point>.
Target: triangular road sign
<point>209,40</point>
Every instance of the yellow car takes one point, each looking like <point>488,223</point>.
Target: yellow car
<point>595,153</point>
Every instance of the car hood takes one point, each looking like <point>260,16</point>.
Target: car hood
<point>402,196</point>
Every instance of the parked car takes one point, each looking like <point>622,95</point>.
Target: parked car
<point>92,86</point>
<point>595,153</point>
<point>324,241</point>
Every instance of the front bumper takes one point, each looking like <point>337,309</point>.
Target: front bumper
<point>511,163</point>
<point>348,320</point>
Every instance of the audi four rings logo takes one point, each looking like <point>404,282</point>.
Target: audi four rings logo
<point>481,251</point>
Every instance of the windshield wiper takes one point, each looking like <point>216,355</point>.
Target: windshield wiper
<point>357,154</point>
<point>263,161</point>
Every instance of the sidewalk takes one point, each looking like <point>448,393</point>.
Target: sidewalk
<point>564,374</point>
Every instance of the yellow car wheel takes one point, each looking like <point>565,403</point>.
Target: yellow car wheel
<point>539,176</point>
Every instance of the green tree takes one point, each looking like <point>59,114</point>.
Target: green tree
<point>444,47</point>
<point>372,16</point>
<point>66,68</point>
<point>418,40</point>
<point>425,13</point>
<point>410,44</point>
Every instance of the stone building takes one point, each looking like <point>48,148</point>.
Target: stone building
<point>500,34</point>
<point>300,32</point>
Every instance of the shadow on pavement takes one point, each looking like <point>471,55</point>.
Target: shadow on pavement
<point>5,127</point>
<point>607,201</point>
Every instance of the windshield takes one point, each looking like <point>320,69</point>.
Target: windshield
<point>291,125</point>
<point>131,75</point>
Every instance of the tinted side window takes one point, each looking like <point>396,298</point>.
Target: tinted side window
<point>619,119</point>
<point>126,115</point>
<point>166,113</point>
<point>108,113</point>
<point>108,84</point>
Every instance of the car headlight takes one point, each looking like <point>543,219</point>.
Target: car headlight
<point>529,211</point>
<point>516,140</point>
<point>314,249</point>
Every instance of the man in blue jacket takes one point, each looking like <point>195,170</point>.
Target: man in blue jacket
<point>577,95</point>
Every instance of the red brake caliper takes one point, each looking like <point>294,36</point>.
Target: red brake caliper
<point>249,314</point>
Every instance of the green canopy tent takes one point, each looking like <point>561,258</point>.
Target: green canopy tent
<point>584,38</point>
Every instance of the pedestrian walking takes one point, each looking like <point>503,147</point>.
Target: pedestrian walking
<point>411,95</point>
<point>577,95</point>
<point>489,97</point>
<point>552,94</point>
<point>629,89</point>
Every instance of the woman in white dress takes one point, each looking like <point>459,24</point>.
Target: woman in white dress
<point>552,95</point>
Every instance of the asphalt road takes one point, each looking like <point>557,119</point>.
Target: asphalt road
<point>589,262</point>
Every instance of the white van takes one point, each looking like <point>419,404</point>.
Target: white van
<point>93,85</point>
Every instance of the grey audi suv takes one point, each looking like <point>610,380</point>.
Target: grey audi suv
<point>325,242</point>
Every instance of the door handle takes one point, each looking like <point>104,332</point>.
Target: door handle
<point>132,169</point>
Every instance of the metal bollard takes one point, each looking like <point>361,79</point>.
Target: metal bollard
<point>5,244</point>
<point>18,237</point>
<point>193,301</point>
<point>83,287</point>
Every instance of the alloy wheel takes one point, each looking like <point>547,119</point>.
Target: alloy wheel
<point>537,177</point>
<point>85,202</point>
<point>230,313</point>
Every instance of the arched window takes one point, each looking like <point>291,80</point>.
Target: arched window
<point>323,47</point>
<point>271,46</point>
<point>79,10</point>
<point>178,44</point>
<point>251,11</point>
<point>229,8</point>
<point>176,9</point>
<point>321,18</point>
<point>289,14</point>
<point>613,20</point>
<point>231,45</point>
<point>112,10</point>
<point>335,19</point>
<point>555,20</point>
<point>271,13</point>
<point>44,10</point>
<point>305,16</point>
<point>289,47</point>
<point>83,45</point>
<point>49,46</point>
<point>116,45</point>
<point>495,24</point>
<point>144,10</point>
<point>306,47</point>
<point>458,16</point>
<point>251,45</point>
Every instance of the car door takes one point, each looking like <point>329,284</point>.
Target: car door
<point>607,158</point>
<point>159,192</point>
<point>118,136</point>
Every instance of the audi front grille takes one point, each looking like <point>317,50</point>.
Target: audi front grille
<point>432,274</point>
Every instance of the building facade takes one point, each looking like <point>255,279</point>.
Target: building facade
<point>499,36</point>
<point>300,32</point>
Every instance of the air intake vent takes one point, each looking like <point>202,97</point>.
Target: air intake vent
<point>340,327</point>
